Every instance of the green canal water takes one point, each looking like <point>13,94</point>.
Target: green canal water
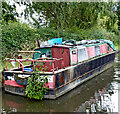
<point>99,94</point>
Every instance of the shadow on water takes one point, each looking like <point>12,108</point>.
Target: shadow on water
<point>95,95</point>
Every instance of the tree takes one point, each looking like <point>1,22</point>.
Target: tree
<point>61,15</point>
<point>118,13</point>
<point>8,12</point>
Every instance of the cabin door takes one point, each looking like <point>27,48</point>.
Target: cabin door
<point>73,56</point>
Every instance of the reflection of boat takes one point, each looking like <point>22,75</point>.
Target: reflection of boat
<point>68,65</point>
<point>100,102</point>
<point>67,103</point>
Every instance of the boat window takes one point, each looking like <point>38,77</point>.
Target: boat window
<point>97,50</point>
<point>74,52</point>
<point>108,48</point>
<point>82,54</point>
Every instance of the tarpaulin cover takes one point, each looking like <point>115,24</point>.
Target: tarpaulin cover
<point>55,41</point>
<point>109,49</point>
<point>91,51</point>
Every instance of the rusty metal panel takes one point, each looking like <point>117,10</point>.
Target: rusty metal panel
<point>66,57</point>
<point>61,52</point>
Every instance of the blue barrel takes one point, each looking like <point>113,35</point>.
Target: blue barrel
<point>28,69</point>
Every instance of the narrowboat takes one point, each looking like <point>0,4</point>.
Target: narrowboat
<point>68,64</point>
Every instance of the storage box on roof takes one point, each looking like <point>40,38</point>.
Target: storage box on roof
<point>55,41</point>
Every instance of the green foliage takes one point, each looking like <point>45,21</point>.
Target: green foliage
<point>8,12</point>
<point>17,36</point>
<point>118,13</point>
<point>78,34</point>
<point>36,87</point>
<point>62,15</point>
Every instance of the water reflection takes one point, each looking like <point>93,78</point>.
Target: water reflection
<point>106,99</point>
<point>99,94</point>
<point>100,102</point>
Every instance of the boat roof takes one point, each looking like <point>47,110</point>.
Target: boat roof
<point>93,44</point>
<point>81,46</point>
<point>64,46</point>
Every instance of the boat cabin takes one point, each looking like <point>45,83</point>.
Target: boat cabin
<point>54,57</point>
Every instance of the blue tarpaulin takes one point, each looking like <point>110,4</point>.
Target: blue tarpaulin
<point>55,41</point>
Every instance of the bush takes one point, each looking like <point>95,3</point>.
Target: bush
<point>36,88</point>
<point>17,36</point>
<point>78,34</point>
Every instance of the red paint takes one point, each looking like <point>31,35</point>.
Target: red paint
<point>51,85</point>
<point>91,51</point>
<point>12,83</point>
<point>45,67</point>
<point>103,48</point>
<point>61,52</point>
<point>74,57</point>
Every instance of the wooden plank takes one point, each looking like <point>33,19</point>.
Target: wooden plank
<point>29,51</point>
